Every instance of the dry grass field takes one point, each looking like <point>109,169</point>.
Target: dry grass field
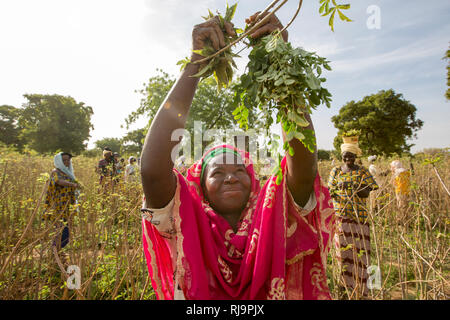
<point>412,253</point>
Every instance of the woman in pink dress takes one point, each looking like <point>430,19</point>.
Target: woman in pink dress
<point>216,234</point>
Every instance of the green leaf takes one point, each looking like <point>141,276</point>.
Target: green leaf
<point>322,7</point>
<point>291,151</point>
<point>279,82</point>
<point>229,14</point>
<point>279,179</point>
<point>289,82</point>
<point>204,70</point>
<point>344,6</point>
<point>331,21</point>
<point>299,135</point>
<point>343,17</point>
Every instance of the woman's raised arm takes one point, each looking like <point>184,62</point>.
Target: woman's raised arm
<point>158,179</point>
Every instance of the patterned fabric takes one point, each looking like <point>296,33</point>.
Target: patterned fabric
<point>276,252</point>
<point>352,242</point>
<point>346,202</point>
<point>59,199</point>
<point>107,168</point>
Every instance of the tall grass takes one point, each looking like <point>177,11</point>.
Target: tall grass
<point>409,246</point>
<point>105,236</point>
<point>105,240</point>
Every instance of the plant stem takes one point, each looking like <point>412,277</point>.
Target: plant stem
<point>295,16</point>
<point>440,179</point>
<point>254,27</point>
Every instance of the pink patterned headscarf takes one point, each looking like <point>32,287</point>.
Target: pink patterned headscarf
<point>267,256</point>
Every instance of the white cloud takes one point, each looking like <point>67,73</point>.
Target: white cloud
<point>415,51</point>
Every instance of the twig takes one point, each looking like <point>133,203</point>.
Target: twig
<point>30,222</point>
<point>295,16</point>
<point>145,287</point>
<point>3,178</point>
<point>123,277</point>
<point>440,180</point>
<point>437,272</point>
<point>61,267</point>
<point>253,28</point>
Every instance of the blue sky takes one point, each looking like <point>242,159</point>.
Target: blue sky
<point>100,52</point>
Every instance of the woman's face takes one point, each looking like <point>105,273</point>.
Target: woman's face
<point>227,185</point>
<point>348,158</point>
<point>66,160</point>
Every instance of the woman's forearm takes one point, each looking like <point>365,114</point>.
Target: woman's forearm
<point>156,163</point>
<point>65,183</point>
<point>302,168</point>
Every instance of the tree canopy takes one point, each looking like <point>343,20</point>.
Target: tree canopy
<point>9,126</point>
<point>385,119</point>
<point>53,122</point>
<point>115,144</point>
<point>133,141</point>
<point>214,108</point>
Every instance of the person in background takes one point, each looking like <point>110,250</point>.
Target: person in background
<point>131,170</point>
<point>106,168</point>
<point>350,186</point>
<point>61,198</point>
<point>401,181</point>
<point>372,167</point>
<point>117,163</point>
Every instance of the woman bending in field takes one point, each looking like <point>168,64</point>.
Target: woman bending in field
<point>216,234</point>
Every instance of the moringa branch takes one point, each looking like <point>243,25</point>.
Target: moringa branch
<point>249,31</point>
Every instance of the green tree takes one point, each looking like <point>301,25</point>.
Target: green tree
<point>386,120</point>
<point>133,141</point>
<point>9,126</point>
<point>55,122</point>
<point>211,107</point>
<point>114,143</point>
<point>323,154</point>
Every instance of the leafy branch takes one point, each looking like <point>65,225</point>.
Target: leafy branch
<point>284,81</point>
<point>279,79</point>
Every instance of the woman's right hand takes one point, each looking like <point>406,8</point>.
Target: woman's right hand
<point>210,30</point>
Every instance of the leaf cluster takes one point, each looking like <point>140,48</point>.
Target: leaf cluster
<point>221,66</point>
<point>330,7</point>
<point>283,80</point>
<point>352,133</point>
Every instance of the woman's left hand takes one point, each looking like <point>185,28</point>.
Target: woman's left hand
<point>268,27</point>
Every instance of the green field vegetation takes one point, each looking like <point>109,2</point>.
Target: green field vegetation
<point>106,235</point>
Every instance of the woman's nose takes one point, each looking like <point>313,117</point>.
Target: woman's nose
<point>230,178</point>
